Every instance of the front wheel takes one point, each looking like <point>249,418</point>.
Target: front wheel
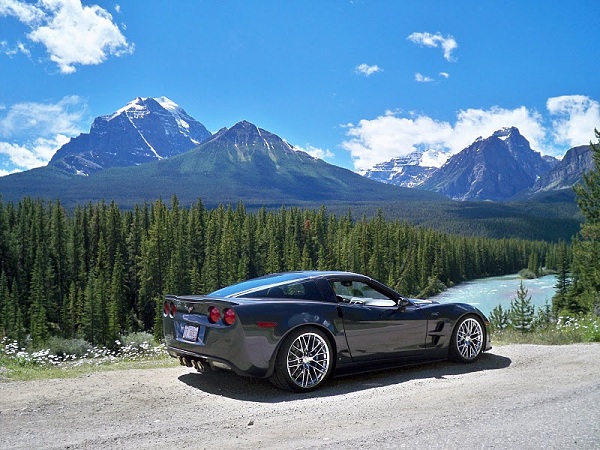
<point>304,361</point>
<point>467,340</point>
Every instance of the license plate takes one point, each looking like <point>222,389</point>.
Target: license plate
<point>190,333</point>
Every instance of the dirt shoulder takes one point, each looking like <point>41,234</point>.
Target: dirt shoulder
<point>516,396</point>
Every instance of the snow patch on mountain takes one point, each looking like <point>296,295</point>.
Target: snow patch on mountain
<point>406,171</point>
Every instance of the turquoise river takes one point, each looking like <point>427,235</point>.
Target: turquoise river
<point>487,293</point>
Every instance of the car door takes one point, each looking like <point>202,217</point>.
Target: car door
<point>376,328</point>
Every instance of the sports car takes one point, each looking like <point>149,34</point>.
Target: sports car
<point>299,328</point>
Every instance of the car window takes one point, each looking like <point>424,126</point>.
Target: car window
<point>306,290</point>
<point>239,289</point>
<point>361,293</point>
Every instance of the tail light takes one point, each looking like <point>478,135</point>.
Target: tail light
<point>228,316</point>
<point>169,309</point>
<point>214,315</point>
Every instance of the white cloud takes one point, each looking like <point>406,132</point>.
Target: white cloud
<point>388,136</point>
<point>43,119</point>
<point>474,123</point>
<point>578,116</point>
<point>367,70</point>
<point>35,154</point>
<point>51,124</point>
<point>72,34</point>
<point>12,51</point>
<point>391,135</point>
<point>25,12</point>
<point>422,78</point>
<point>447,43</point>
<point>315,152</point>
<point>432,158</point>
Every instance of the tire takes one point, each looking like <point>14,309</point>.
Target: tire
<point>304,361</point>
<point>468,339</point>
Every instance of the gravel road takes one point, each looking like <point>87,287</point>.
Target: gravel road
<point>515,397</point>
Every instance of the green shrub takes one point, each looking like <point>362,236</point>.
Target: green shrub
<point>588,326</point>
<point>140,340</point>
<point>527,274</point>
<point>64,347</point>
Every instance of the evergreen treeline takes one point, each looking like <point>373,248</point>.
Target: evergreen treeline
<point>100,271</point>
<point>580,293</point>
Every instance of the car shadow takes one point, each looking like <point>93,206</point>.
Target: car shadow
<point>228,384</point>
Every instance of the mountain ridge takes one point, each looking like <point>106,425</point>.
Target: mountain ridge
<point>501,167</point>
<point>252,165</point>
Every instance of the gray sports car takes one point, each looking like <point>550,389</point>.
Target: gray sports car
<point>299,328</point>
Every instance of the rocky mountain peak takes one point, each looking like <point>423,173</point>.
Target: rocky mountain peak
<point>144,130</point>
<point>494,168</point>
<point>506,133</point>
<point>245,134</point>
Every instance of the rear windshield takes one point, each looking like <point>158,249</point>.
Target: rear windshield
<point>260,287</point>
<point>302,290</point>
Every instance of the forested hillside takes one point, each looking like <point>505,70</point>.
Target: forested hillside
<point>100,271</point>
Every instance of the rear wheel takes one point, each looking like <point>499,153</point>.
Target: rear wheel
<point>467,340</point>
<point>304,361</point>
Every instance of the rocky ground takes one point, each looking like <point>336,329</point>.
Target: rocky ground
<point>516,396</point>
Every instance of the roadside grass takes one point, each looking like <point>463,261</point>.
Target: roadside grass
<point>15,372</point>
<point>69,358</point>
<point>539,337</point>
<point>22,364</point>
<point>565,331</point>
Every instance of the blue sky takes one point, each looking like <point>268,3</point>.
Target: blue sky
<point>353,82</point>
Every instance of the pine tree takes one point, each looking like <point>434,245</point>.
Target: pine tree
<point>58,261</point>
<point>154,265</point>
<point>117,307</point>
<point>4,305</point>
<point>39,294</point>
<point>521,310</point>
<point>585,291</point>
<point>499,318</point>
<point>560,299</point>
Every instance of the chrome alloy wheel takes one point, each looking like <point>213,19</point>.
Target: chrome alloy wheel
<point>469,339</point>
<point>308,360</point>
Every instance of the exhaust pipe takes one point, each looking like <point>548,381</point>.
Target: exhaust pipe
<point>201,366</point>
<point>197,364</point>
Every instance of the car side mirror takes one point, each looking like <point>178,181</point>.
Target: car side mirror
<point>403,303</point>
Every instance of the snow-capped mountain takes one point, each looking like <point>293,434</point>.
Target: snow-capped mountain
<point>495,168</point>
<point>406,171</point>
<point>146,129</point>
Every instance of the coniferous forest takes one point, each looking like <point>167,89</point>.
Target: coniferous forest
<point>97,271</point>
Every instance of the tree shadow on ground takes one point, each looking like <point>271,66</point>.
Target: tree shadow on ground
<point>228,384</point>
